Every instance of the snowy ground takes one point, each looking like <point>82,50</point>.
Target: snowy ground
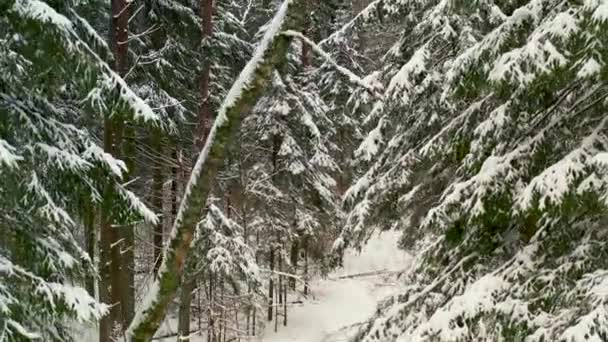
<point>337,305</point>
<point>341,304</point>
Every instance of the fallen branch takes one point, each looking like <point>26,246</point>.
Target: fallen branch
<point>363,274</point>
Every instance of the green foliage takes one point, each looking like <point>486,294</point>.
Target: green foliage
<point>54,92</point>
<point>500,102</point>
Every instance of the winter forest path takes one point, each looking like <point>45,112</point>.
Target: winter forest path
<point>338,305</point>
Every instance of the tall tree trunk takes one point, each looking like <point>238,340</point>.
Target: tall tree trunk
<point>90,238</point>
<point>295,244</point>
<point>306,265</point>
<point>185,303</point>
<point>205,119</point>
<point>128,239</point>
<point>271,283</point>
<point>222,306</point>
<point>205,115</point>
<point>157,199</point>
<point>293,257</point>
<point>242,98</point>
<point>276,313</point>
<point>280,294</point>
<point>111,287</point>
<point>285,305</point>
<point>113,290</point>
<point>276,145</point>
<point>211,315</point>
<point>107,323</point>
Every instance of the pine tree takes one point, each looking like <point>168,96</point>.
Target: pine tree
<point>486,150</point>
<point>289,173</point>
<point>52,162</point>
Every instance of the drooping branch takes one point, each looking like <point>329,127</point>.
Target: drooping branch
<point>242,97</point>
<point>360,16</point>
<point>352,77</point>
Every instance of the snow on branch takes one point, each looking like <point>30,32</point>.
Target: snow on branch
<point>108,79</point>
<point>271,53</point>
<point>367,11</point>
<point>344,71</point>
<point>8,155</point>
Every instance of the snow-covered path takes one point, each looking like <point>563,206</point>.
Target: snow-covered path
<point>335,305</point>
<point>342,303</point>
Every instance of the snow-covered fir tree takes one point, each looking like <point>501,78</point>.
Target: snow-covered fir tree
<point>487,151</point>
<point>287,181</point>
<point>55,89</point>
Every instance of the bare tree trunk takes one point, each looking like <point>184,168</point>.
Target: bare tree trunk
<point>205,119</point>
<point>256,77</point>
<point>106,324</point>
<point>211,326</point>
<point>236,321</point>
<point>276,144</point>
<point>112,287</point>
<point>185,301</point>
<point>271,283</point>
<point>294,255</point>
<point>248,321</point>
<point>276,314</point>
<point>222,329</point>
<point>285,305</point>
<point>128,239</point>
<point>205,116</point>
<point>90,239</point>
<point>280,294</point>
<point>157,199</point>
<point>200,308</point>
<point>254,321</point>
<point>306,265</point>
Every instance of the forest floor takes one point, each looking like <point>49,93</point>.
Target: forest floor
<point>338,305</point>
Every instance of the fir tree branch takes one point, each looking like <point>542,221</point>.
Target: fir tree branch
<point>344,71</point>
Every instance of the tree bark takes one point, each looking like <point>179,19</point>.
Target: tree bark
<point>294,256</point>
<point>271,283</point>
<point>205,115</point>
<point>111,285</point>
<point>205,118</point>
<point>285,305</point>
<point>157,199</point>
<point>276,314</point>
<point>113,289</point>
<point>276,145</point>
<point>128,239</point>
<point>306,265</point>
<point>90,239</point>
<point>185,301</point>
<point>241,99</point>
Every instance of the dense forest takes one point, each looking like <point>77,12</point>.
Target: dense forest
<point>184,170</point>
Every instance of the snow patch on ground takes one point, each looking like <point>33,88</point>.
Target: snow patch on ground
<point>339,306</point>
